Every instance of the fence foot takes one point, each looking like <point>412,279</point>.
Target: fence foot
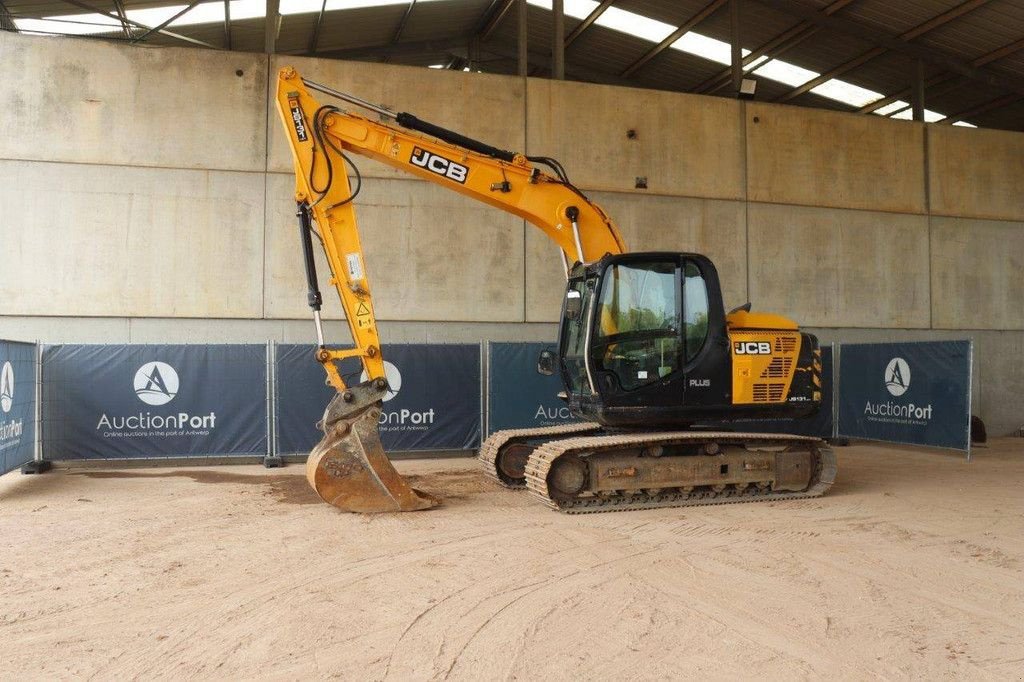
<point>36,466</point>
<point>273,461</point>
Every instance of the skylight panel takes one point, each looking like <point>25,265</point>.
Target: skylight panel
<point>73,24</point>
<point>929,115</point>
<point>708,48</point>
<point>849,93</point>
<point>756,63</point>
<point>964,124</point>
<point>313,6</point>
<point>154,16</point>
<point>634,24</point>
<point>890,108</point>
<point>787,73</point>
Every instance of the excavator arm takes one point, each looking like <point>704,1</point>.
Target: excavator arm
<point>349,468</point>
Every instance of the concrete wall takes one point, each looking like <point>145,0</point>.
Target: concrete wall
<point>146,196</point>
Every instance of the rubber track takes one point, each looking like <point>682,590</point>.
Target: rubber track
<point>490,448</point>
<point>544,456</point>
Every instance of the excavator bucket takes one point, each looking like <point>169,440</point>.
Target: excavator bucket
<point>349,469</point>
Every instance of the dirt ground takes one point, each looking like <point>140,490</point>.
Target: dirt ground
<point>912,566</point>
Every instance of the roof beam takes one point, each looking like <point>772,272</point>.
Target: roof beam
<point>940,79</point>
<point>188,8</point>
<point>948,62</point>
<point>401,24</point>
<point>6,21</point>
<point>776,47</point>
<point>917,31</point>
<point>119,8</point>
<point>496,11</point>
<point>685,28</point>
<point>395,50</point>
<point>169,34</point>
<point>980,109</point>
<point>541,62</point>
<point>587,22</point>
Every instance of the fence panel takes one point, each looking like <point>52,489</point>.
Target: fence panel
<point>915,392</point>
<point>150,401</point>
<point>434,403</point>
<point>17,404</point>
<point>517,396</point>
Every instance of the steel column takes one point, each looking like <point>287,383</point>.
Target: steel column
<point>270,25</point>
<point>734,43</point>
<point>522,48</point>
<point>918,91</point>
<point>558,40</point>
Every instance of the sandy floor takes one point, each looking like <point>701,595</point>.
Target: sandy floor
<point>913,566</point>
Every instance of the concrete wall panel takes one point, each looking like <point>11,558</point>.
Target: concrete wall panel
<point>685,145</point>
<point>977,274</point>
<point>486,107</point>
<point>86,240</point>
<point>976,173</point>
<point>835,268</point>
<point>95,102</point>
<point>649,223</point>
<point>431,254</point>
<point>811,157</point>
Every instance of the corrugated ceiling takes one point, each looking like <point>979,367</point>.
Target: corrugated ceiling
<point>450,32</point>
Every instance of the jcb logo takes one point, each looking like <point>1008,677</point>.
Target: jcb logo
<point>439,164</point>
<point>297,120</point>
<point>752,348</point>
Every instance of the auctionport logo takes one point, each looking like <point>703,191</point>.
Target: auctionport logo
<point>6,387</point>
<point>402,419</point>
<point>393,376</point>
<point>897,382</point>
<point>156,383</point>
<point>897,376</point>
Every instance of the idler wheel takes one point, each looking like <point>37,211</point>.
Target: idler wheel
<point>568,476</point>
<point>512,462</point>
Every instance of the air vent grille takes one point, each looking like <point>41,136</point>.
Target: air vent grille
<point>778,368</point>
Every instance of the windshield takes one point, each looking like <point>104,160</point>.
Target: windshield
<point>638,333</point>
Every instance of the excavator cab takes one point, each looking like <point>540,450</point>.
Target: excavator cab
<point>644,341</point>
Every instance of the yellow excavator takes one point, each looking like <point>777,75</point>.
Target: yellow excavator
<point>646,351</point>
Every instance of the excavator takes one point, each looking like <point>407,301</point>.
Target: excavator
<point>651,363</point>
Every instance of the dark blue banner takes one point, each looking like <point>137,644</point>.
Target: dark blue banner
<point>17,404</point>
<point>917,393</point>
<point>121,401</point>
<point>434,403</point>
<point>517,396</point>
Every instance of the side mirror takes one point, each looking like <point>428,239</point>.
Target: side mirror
<point>546,363</point>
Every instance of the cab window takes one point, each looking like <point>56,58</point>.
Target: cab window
<point>695,309</point>
<point>638,332</point>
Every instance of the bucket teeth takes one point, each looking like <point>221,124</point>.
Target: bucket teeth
<point>349,469</point>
